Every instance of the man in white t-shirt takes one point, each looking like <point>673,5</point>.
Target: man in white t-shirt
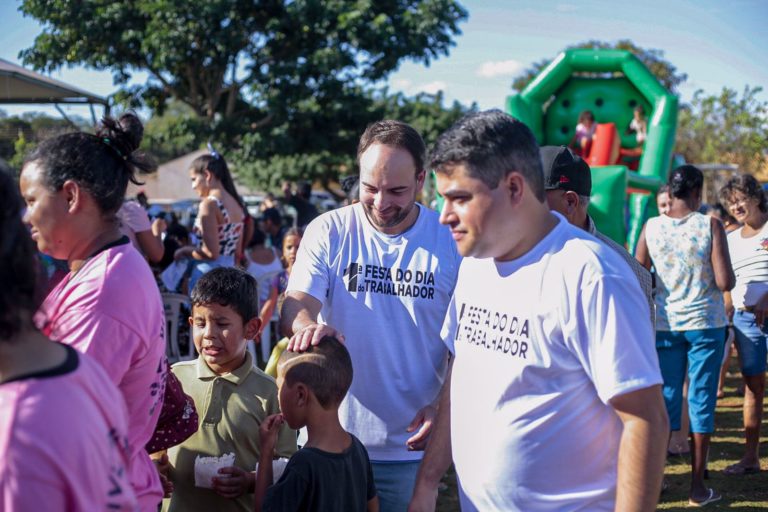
<point>554,399</point>
<point>380,274</point>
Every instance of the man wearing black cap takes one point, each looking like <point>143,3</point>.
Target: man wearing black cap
<point>568,186</point>
<point>554,394</point>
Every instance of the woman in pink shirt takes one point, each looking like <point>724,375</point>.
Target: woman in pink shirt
<point>108,306</point>
<point>62,434</point>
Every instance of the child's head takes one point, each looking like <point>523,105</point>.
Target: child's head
<point>639,112</point>
<point>662,199</point>
<point>225,315</point>
<point>323,371</point>
<point>587,118</point>
<point>291,241</point>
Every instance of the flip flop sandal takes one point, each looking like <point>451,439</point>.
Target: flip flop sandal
<point>712,497</point>
<point>739,469</point>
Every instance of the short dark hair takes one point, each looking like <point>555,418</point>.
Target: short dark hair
<point>273,215</point>
<point>744,184</point>
<point>327,371</point>
<point>685,180</point>
<point>664,189</point>
<point>102,164</point>
<point>228,286</point>
<point>490,144</point>
<point>20,272</point>
<point>396,134</point>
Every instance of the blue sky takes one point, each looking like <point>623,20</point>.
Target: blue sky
<point>717,43</point>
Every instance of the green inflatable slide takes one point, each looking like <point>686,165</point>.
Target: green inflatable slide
<point>610,84</point>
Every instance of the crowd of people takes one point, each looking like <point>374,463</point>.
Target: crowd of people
<point>500,334</point>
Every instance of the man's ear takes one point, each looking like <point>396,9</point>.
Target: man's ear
<point>572,201</point>
<point>420,177</point>
<point>253,328</point>
<point>515,185</point>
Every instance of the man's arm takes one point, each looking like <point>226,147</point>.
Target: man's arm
<point>298,319</point>
<point>438,455</point>
<point>643,448</point>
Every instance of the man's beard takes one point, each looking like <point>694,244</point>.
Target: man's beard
<point>393,220</point>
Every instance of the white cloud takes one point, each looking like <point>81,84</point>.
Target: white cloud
<point>493,69</point>
<point>432,87</point>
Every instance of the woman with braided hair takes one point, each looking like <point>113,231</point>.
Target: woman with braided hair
<point>108,305</point>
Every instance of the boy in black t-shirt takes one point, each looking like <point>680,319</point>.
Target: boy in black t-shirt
<point>332,471</point>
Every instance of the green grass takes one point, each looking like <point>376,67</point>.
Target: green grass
<point>740,493</point>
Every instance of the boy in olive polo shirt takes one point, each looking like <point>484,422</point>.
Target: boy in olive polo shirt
<point>231,395</point>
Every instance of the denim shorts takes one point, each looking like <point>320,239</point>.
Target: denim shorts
<point>701,352</point>
<point>750,342</point>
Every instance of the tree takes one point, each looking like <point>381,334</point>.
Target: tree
<point>725,128</point>
<point>653,59</point>
<point>337,128</point>
<point>212,54</point>
<point>284,86</point>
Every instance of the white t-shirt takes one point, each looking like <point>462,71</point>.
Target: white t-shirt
<point>542,343</point>
<point>388,296</point>
<point>749,258</point>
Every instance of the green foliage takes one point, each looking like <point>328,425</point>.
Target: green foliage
<point>21,147</point>
<point>725,128</point>
<point>19,134</point>
<point>211,54</point>
<point>653,59</point>
<point>332,136</point>
<point>284,87</point>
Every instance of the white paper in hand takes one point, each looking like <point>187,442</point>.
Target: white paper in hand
<point>278,466</point>
<point>206,468</point>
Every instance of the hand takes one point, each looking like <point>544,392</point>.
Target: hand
<point>268,431</point>
<point>761,310</point>
<point>159,226</point>
<point>424,420</point>
<point>233,482</point>
<point>164,467</point>
<point>183,253</point>
<point>311,334</point>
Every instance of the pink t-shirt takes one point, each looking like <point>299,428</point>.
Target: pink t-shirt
<point>62,441</point>
<point>111,310</point>
<point>133,219</point>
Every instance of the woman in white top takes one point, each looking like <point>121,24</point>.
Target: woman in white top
<point>264,265</point>
<point>748,246</point>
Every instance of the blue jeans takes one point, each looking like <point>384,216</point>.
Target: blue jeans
<point>701,350</point>
<point>394,483</point>
<point>750,341</point>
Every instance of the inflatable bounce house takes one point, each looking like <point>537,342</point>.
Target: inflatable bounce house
<point>611,84</point>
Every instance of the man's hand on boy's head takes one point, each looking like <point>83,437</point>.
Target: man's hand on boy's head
<point>268,431</point>
<point>311,334</point>
<point>233,482</point>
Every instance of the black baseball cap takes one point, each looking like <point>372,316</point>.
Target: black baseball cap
<point>565,171</point>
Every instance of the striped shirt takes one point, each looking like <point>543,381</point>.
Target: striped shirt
<point>749,258</point>
<point>641,273</point>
